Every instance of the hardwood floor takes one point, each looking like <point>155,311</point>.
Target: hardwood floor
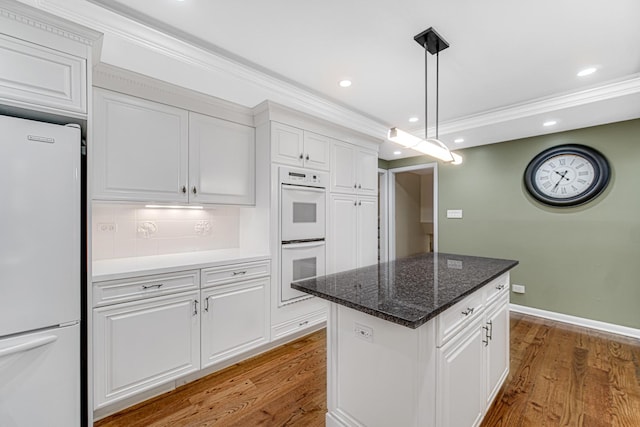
<point>560,375</point>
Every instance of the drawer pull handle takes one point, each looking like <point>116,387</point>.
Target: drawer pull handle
<point>195,307</point>
<point>206,304</point>
<point>500,287</point>
<point>306,322</point>
<point>158,285</point>
<point>490,330</point>
<point>238,273</point>
<point>468,311</point>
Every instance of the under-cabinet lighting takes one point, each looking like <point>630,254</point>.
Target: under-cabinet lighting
<point>458,140</point>
<point>345,83</point>
<point>173,207</point>
<point>549,123</point>
<point>587,71</point>
<point>413,119</point>
<point>397,153</point>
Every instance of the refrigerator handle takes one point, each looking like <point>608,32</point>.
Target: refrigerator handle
<point>26,346</point>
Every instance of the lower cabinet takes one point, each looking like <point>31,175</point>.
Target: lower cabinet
<point>234,319</point>
<point>497,348</point>
<point>460,398</point>
<point>141,344</point>
<point>474,362</point>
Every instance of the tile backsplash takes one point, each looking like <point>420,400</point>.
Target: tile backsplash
<point>121,231</point>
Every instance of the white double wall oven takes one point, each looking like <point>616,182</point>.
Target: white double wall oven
<point>303,198</point>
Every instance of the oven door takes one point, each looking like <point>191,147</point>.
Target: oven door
<point>300,261</point>
<point>302,212</point>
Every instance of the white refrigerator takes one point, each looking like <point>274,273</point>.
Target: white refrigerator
<point>40,250</point>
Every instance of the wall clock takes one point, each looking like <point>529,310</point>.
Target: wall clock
<point>567,175</point>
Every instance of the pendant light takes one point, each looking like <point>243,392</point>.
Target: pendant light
<point>432,43</point>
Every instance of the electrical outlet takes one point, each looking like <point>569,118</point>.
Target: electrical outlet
<point>107,227</point>
<point>518,289</point>
<point>363,332</point>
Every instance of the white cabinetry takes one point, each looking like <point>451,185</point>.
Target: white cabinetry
<point>353,228</point>
<point>148,151</point>
<point>235,311</point>
<point>141,344</point>
<point>473,355</point>
<point>140,149</point>
<point>221,161</point>
<point>36,75</point>
<point>355,170</point>
<point>297,147</point>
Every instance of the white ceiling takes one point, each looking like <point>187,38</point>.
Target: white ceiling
<point>511,64</point>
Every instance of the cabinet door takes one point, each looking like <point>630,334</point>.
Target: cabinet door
<point>460,400</point>
<point>287,144</point>
<point>343,173</point>
<point>222,161</point>
<point>39,76</point>
<point>342,250</point>
<point>498,347</point>
<point>367,231</point>
<point>233,319</point>
<point>316,151</point>
<point>367,170</point>
<point>142,344</point>
<point>139,149</point>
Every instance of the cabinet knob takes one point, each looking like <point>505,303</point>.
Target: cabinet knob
<point>355,203</point>
<point>193,190</point>
<point>307,157</point>
<point>301,156</point>
<point>355,185</point>
<point>184,189</point>
<point>359,186</point>
<point>360,203</point>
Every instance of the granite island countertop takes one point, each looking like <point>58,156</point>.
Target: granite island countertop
<point>408,291</point>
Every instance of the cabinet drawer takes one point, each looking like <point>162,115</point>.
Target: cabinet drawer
<point>115,291</point>
<point>298,324</point>
<point>233,273</point>
<point>454,319</point>
<point>39,76</point>
<point>495,288</point>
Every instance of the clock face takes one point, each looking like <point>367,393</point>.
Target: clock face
<point>567,175</point>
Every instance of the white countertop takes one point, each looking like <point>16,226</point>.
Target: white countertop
<point>120,268</point>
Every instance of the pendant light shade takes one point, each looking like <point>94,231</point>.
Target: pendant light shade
<point>432,43</point>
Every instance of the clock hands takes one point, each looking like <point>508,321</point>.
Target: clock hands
<point>562,176</point>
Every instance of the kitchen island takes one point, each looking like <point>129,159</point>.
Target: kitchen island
<point>419,341</point>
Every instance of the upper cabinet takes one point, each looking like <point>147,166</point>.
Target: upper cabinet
<point>297,147</point>
<point>152,152</point>
<point>43,62</point>
<point>222,158</point>
<point>355,169</point>
<point>37,75</point>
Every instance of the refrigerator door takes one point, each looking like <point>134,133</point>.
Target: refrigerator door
<point>40,379</point>
<point>39,225</point>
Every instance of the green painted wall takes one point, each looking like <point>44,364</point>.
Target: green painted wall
<point>582,261</point>
<point>383,164</point>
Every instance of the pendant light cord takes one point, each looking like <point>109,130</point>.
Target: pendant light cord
<point>426,91</point>
<point>437,89</point>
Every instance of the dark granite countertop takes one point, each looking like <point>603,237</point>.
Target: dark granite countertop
<point>408,291</point>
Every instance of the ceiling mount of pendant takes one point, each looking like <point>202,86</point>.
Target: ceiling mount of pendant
<point>434,41</point>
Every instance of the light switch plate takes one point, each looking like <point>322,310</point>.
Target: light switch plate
<point>454,213</point>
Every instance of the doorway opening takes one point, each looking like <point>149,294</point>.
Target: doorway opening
<point>413,210</point>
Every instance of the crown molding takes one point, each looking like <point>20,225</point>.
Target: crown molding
<point>615,89</point>
<point>36,19</point>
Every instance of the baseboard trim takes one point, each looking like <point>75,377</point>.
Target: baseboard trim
<point>579,321</point>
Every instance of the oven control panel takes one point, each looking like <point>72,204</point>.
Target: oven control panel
<point>303,177</point>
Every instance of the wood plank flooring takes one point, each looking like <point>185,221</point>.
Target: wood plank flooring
<point>560,375</point>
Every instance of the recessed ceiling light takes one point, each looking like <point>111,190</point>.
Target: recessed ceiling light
<point>397,153</point>
<point>413,119</point>
<point>345,83</point>
<point>587,71</point>
<point>458,140</point>
<point>549,123</point>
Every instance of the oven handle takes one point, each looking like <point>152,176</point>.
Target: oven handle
<point>294,187</point>
<point>298,245</point>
